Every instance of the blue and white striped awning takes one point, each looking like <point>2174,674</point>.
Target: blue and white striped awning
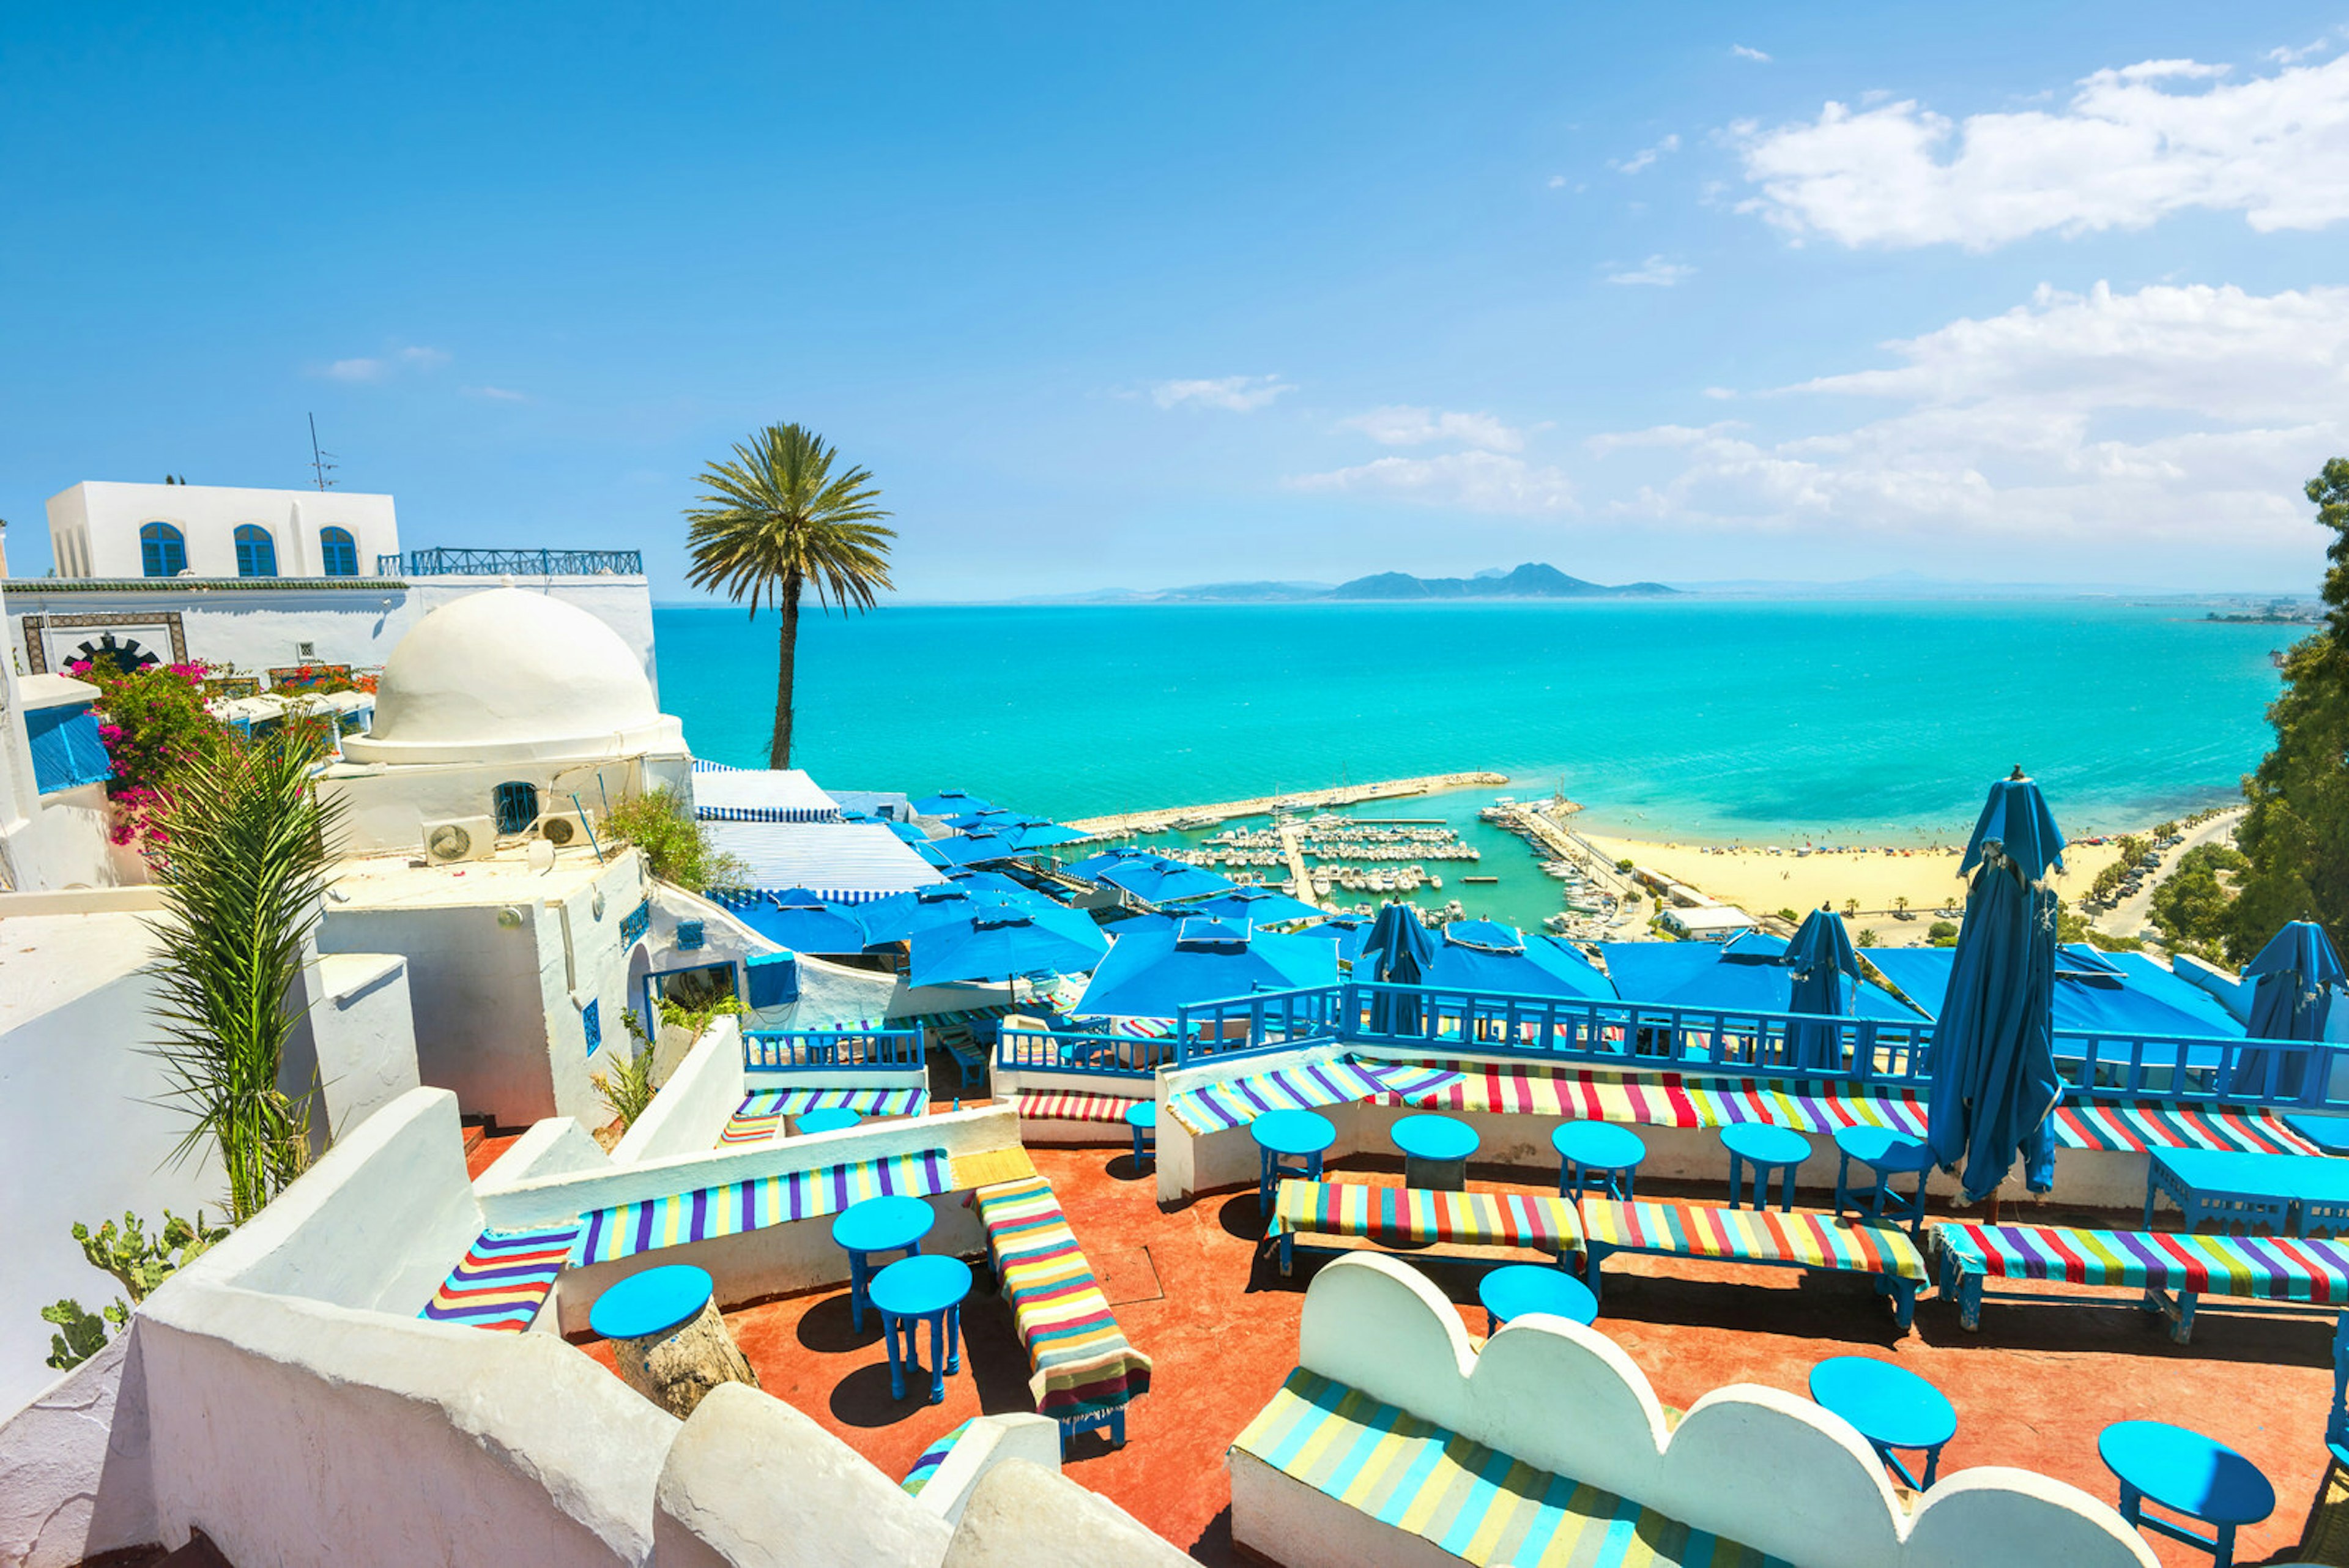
<point>840,862</point>
<point>722,793</point>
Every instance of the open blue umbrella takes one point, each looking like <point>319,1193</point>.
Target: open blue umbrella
<point>1350,932</point>
<point>805,923</point>
<point>1002,942</point>
<point>1500,960</point>
<point>1397,951</point>
<point>1153,971</point>
<point>1818,959</point>
<point>902,917</point>
<point>1151,876</point>
<point>950,803</point>
<point>975,848</point>
<point>1993,1055</point>
<point>2297,973</point>
<point>1256,906</point>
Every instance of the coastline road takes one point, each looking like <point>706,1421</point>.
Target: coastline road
<point>1301,800</point>
<point>2133,915</point>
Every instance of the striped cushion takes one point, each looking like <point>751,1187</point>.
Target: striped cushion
<point>504,1278</point>
<point>932,1458</point>
<point>1079,1355</point>
<point>2274,1268</point>
<point>760,1115</point>
<point>1073,1107</point>
<point>1479,1505</point>
<point>1216,1107</point>
<point>1392,1214</point>
<point>628,1229</point>
<point>1766,1236</point>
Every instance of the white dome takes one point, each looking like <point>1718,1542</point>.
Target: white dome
<point>504,675</point>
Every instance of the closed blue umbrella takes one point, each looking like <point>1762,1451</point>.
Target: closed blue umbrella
<point>1153,971</point>
<point>1818,959</point>
<point>2297,973</point>
<point>1397,951</point>
<point>1994,1056</point>
<point>1002,942</point>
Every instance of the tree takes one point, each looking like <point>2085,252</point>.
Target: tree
<point>778,522</point>
<point>2295,833</point>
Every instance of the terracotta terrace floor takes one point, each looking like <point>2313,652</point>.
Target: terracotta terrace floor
<point>1194,1290</point>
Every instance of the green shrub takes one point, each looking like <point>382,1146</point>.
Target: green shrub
<point>1624,866</point>
<point>1866,938</point>
<point>1942,931</point>
<point>677,845</point>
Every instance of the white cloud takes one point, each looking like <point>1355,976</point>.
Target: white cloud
<point>1402,426</point>
<point>1463,481</point>
<point>1646,155</point>
<point>1239,394</point>
<point>2293,57</point>
<point>1721,394</point>
<point>1557,182</point>
<point>498,394</point>
<point>2188,416</point>
<point>2133,146</point>
<point>356,369</point>
<point>378,368</point>
<point>1744,53</point>
<point>1654,273</point>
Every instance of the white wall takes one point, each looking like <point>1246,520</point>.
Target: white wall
<point>76,1476</point>
<point>354,1041</point>
<point>386,807</point>
<point>694,1104</point>
<point>94,526</point>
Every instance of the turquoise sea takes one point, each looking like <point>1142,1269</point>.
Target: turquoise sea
<point>1697,720</point>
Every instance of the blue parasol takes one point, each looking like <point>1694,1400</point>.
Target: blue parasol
<point>1819,958</point>
<point>2297,974</point>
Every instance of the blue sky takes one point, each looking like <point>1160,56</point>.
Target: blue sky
<point>1143,296</point>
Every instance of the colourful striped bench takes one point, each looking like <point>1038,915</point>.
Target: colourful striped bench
<point>760,1115</point>
<point>1389,1215</point>
<point>2172,1269</point>
<point>931,1459</point>
<point>627,1228</point>
<point>1478,1505</point>
<point>1082,1370</point>
<point>1879,1249</point>
<point>1076,1105</point>
<point>1234,1103</point>
<point>504,1278</point>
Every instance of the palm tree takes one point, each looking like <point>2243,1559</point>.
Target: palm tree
<point>778,522</point>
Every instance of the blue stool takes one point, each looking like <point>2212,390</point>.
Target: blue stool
<point>1887,1154</point>
<point>1142,1117</point>
<point>1890,1406</point>
<point>2187,1473</point>
<point>1519,1288</point>
<point>1599,1149</point>
<point>1766,1149</point>
<point>1435,1151</point>
<point>1282,1136</point>
<point>894,1224</point>
<point>831,1118</point>
<point>914,1290</point>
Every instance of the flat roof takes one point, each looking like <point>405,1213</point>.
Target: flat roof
<point>48,960</point>
<point>404,881</point>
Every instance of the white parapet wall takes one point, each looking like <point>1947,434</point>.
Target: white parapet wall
<point>1747,1463</point>
<point>695,1104</point>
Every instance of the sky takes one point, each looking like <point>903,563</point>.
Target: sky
<point>1144,297</point>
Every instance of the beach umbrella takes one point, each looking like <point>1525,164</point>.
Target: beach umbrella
<point>805,923</point>
<point>975,848</point>
<point>1397,951</point>
<point>1349,932</point>
<point>1817,960</point>
<point>951,802</point>
<point>908,833</point>
<point>1026,833</point>
<point>1151,876</point>
<point>1002,942</point>
<point>2296,973</point>
<point>902,917</point>
<point>1152,972</point>
<point>1994,1053</point>
<point>1496,959</point>
<point>1256,906</point>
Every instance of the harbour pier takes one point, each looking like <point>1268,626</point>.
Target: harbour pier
<point>1296,800</point>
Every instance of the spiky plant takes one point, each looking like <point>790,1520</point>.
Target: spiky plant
<point>242,874</point>
<point>779,521</point>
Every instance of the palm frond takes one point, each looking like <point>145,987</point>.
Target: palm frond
<point>777,519</point>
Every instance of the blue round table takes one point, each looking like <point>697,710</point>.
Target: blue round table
<point>1886,1154</point>
<point>1767,1148</point>
<point>1282,1136</point>
<point>831,1118</point>
<point>1602,1149</point>
<point>2185,1473</point>
<point>1435,1151</point>
<point>1889,1405</point>
<point>911,1292</point>
<point>891,1224</point>
<point>1142,1117</point>
<point>651,1303</point>
<point>1517,1289</point>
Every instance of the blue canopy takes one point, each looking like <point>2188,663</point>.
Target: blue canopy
<point>1149,876</point>
<point>1817,963</point>
<point>1994,1054</point>
<point>802,922</point>
<point>1747,974</point>
<point>1002,942</point>
<point>1500,960</point>
<point>1257,905</point>
<point>1397,951</point>
<point>1152,972</point>
<point>950,803</point>
<point>2111,994</point>
<point>907,832</point>
<point>975,848</point>
<point>1349,932</point>
<point>907,915</point>
<point>2295,977</point>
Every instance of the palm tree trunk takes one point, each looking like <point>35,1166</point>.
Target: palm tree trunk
<point>778,749</point>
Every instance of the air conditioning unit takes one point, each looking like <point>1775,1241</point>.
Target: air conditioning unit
<point>564,828</point>
<point>459,838</point>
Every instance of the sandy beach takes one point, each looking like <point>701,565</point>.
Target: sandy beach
<point>1762,883</point>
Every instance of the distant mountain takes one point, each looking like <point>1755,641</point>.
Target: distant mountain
<point>1242,592</point>
<point>1534,580</point>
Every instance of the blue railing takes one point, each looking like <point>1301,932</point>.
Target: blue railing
<point>803,1050</point>
<point>466,563</point>
<point>1097,1056</point>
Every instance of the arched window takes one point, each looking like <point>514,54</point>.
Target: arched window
<point>163,550</point>
<point>257,552</point>
<point>516,806</point>
<point>338,553</point>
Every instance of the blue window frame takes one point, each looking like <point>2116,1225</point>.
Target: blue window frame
<point>257,552</point>
<point>338,553</point>
<point>591,1019</point>
<point>163,550</point>
<point>516,806</point>
<point>67,750</point>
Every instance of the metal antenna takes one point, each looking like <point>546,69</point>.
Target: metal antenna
<point>319,465</point>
